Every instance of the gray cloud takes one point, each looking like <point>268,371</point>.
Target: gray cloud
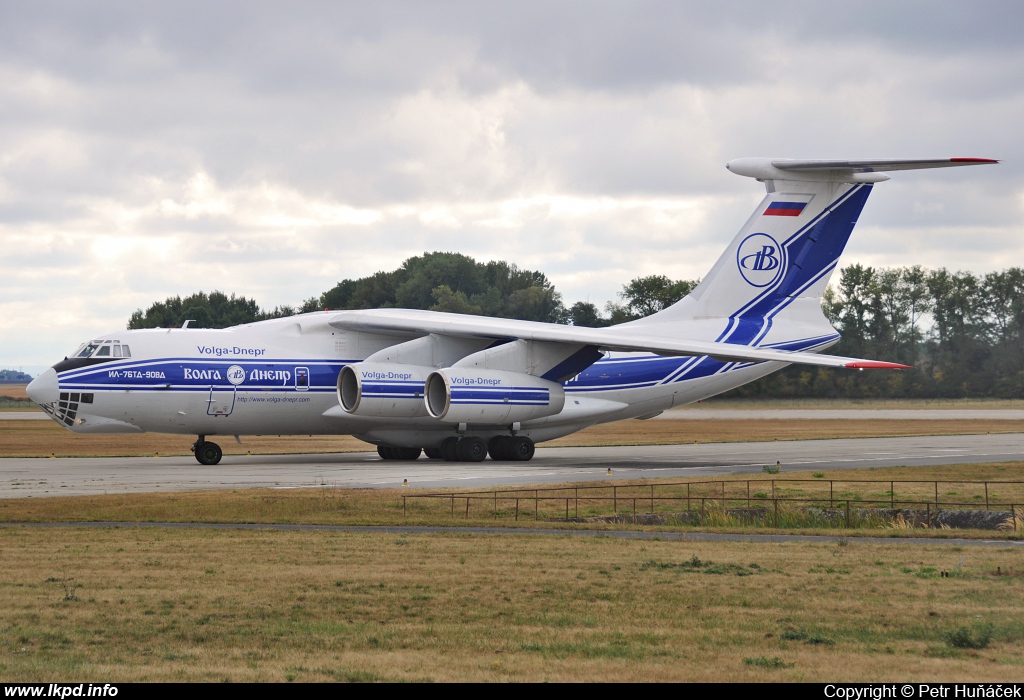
<point>149,149</point>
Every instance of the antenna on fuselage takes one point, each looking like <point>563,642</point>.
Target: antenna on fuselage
<point>187,321</point>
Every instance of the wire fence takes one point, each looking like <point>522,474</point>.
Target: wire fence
<point>838,499</point>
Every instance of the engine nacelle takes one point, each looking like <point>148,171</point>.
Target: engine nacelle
<point>491,397</point>
<point>382,389</point>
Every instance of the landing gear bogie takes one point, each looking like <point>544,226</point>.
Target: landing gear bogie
<point>404,454</point>
<point>511,448</point>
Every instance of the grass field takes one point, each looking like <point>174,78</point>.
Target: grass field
<point>140,605</point>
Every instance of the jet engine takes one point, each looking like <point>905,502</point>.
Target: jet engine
<point>490,397</point>
<point>382,390</point>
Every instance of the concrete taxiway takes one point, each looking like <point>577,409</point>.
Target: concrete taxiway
<point>79,476</point>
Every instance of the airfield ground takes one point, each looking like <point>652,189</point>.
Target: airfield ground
<point>138,604</point>
<point>161,603</point>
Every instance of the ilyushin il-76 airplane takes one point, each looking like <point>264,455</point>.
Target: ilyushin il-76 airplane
<point>462,387</point>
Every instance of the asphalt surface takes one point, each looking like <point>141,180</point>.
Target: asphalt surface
<point>98,475</point>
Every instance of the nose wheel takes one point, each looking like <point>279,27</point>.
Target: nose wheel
<point>207,453</point>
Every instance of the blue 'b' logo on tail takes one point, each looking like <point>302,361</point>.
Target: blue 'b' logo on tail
<point>759,259</point>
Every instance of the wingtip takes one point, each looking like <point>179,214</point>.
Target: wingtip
<point>874,364</point>
<point>979,161</point>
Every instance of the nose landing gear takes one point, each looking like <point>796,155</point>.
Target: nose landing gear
<point>207,453</point>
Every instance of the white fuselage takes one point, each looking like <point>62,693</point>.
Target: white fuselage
<point>279,377</point>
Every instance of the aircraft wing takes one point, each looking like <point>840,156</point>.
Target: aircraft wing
<point>622,338</point>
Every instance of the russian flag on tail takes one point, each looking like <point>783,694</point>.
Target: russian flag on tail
<point>785,209</point>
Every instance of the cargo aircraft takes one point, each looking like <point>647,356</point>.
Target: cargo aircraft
<point>462,387</point>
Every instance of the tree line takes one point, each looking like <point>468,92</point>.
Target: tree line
<point>962,333</point>
<point>449,282</point>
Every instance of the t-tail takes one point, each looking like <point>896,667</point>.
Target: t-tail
<point>766,288</point>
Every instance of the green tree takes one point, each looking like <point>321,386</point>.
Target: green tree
<point>586,315</point>
<point>644,296</point>
<point>213,310</point>
<point>452,302</point>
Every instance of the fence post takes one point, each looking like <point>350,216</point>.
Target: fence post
<point>830,494</point>
<point>577,501</point>
<point>536,504</point>
<point>773,490</point>
<point>652,499</point>
<point>928,515</point>
<point>748,493</point>
<point>404,513</point>
<point>495,505</point>
<point>453,505</point>
<point>847,514</point>
<point>615,499</point>
<point>776,512</point>
<point>723,493</point>
<point>687,496</point>
<point>567,509</point>
<point>517,510</point>
<point>892,495</point>
<point>634,511</point>
<point>467,506</point>
<point>986,497</point>
<point>936,493</point>
<point>1013,514</point>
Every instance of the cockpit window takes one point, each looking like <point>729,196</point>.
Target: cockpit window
<point>104,351</point>
<point>88,350</point>
<point>126,350</point>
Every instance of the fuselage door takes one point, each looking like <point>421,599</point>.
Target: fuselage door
<point>221,401</point>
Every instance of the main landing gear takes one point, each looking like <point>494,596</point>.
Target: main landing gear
<point>503,448</point>
<point>208,453</point>
<point>405,454</point>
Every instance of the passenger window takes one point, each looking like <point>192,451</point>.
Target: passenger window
<point>127,352</point>
<point>117,351</point>
<point>104,351</point>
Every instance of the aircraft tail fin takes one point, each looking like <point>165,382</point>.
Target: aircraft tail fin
<point>780,262</point>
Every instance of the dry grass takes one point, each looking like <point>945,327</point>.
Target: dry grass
<point>41,438</point>
<point>13,391</point>
<point>661,432</point>
<point>861,404</point>
<point>23,438</point>
<point>335,506</point>
<point>167,605</point>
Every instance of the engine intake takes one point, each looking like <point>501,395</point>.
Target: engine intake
<point>383,390</point>
<point>490,397</point>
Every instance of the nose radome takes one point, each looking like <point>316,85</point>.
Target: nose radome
<point>44,388</point>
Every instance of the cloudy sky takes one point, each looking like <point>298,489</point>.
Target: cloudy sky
<point>272,149</point>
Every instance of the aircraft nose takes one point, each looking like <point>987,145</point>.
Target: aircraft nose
<point>44,388</point>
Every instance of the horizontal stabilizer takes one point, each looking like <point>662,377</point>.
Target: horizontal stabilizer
<point>878,166</point>
<point>853,171</point>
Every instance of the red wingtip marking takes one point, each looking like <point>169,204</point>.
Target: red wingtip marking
<point>874,364</point>
<point>972,160</point>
